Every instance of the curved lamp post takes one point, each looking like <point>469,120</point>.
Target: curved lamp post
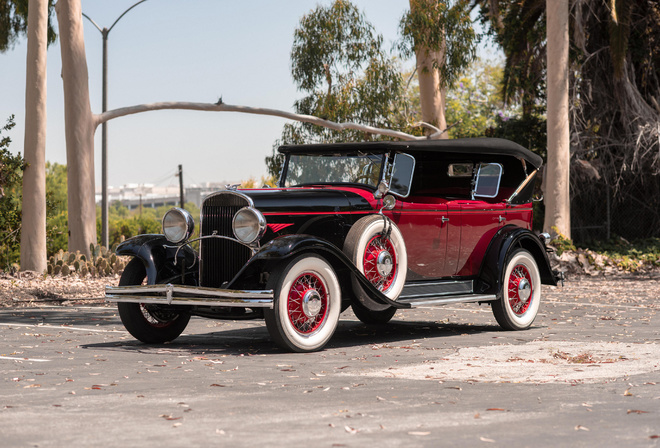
<point>104,131</point>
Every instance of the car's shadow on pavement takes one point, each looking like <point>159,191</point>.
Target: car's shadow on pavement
<point>255,339</point>
<point>60,316</point>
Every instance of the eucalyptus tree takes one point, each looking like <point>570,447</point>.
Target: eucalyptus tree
<point>338,62</point>
<point>19,17</point>
<point>440,35</point>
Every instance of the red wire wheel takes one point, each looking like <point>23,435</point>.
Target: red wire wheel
<point>520,289</point>
<point>383,261</point>
<point>307,303</point>
<point>380,263</point>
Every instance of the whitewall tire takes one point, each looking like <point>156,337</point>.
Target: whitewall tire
<point>307,304</point>
<point>520,295</point>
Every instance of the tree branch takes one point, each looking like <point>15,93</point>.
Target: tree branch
<point>437,134</point>
<point>211,107</point>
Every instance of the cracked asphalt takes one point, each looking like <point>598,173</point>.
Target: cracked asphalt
<point>586,374</point>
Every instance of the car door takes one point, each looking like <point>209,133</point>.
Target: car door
<point>424,223</point>
<point>480,219</point>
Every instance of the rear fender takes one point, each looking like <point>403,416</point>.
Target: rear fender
<point>158,256</point>
<point>505,241</point>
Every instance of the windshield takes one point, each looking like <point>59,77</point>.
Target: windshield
<point>328,168</point>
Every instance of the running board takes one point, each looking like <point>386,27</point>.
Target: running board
<point>438,301</point>
<point>435,289</point>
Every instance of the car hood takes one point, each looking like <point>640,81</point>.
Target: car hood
<point>307,200</point>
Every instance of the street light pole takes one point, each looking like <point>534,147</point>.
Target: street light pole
<point>104,127</point>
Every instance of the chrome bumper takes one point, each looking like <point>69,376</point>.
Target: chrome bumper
<point>189,295</point>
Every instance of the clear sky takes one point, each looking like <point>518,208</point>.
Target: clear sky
<point>193,50</point>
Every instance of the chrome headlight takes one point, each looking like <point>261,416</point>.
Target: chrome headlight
<point>249,225</point>
<point>178,225</point>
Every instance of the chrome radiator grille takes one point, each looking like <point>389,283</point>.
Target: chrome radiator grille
<point>221,259</point>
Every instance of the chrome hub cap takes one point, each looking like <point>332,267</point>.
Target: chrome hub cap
<point>384,263</point>
<point>524,290</point>
<point>311,304</point>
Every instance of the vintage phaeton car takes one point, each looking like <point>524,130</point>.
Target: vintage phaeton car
<point>376,226</point>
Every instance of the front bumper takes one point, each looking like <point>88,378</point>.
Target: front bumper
<point>189,295</point>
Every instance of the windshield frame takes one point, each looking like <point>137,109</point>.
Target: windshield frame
<point>383,156</point>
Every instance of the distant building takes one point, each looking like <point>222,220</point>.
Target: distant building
<point>151,196</point>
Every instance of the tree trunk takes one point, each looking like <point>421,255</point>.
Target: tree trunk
<point>431,94</point>
<point>79,126</point>
<point>557,195</point>
<point>431,91</point>
<point>33,221</point>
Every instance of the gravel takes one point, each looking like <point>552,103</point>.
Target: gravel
<point>29,288</point>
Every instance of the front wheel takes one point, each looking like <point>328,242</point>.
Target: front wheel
<point>520,296</point>
<point>151,324</point>
<point>307,303</point>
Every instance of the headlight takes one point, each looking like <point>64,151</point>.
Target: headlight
<point>249,225</point>
<point>178,225</point>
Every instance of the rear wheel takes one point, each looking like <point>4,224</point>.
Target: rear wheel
<point>307,304</point>
<point>520,296</point>
<point>151,324</point>
<point>371,317</point>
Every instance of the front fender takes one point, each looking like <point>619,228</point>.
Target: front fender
<point>506,240</point>
<point>287,246</point>
<point>158,256</point>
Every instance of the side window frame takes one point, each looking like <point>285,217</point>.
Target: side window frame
<point>482,165</point>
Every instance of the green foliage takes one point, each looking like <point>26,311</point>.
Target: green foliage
<point>56,208</point>
<point>13,22</point>
<point>124,223</point>
<point>561,243</point>
<point>474,103</point>
<point>519,27</point>
<point>338,61</point>
<point>56,185</point>
<point>446,27</point>
<point>332,44</point>
<point>529,131</point>
<point>629,254</point>
<point>11,175</point>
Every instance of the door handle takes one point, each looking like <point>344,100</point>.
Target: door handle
<point>444,220</point>
<point>501,218</point>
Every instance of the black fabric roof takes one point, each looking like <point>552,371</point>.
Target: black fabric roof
<point>491,146</point>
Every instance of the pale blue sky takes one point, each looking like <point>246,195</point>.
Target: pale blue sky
<point>197,50</point>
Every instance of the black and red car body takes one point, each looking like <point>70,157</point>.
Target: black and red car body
<point>377,227</point>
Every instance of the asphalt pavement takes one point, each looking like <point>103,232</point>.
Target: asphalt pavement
<point>586,374</point>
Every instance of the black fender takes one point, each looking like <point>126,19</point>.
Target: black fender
<point>287,246</point>
<point>158,256</point>
<point>505,241</point>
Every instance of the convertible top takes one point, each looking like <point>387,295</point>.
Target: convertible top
<point>490,146</point>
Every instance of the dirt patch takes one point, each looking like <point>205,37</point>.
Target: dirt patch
<point>535,362</point>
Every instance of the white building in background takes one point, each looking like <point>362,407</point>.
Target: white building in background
<point>151,196</point>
